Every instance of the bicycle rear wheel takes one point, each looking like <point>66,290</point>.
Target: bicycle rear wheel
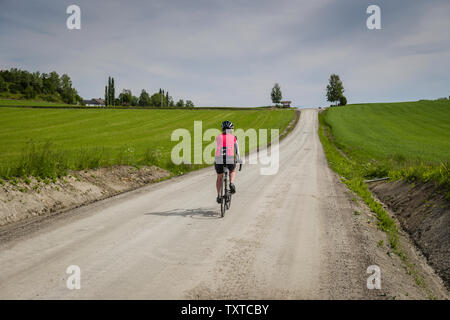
<point>223,207</point>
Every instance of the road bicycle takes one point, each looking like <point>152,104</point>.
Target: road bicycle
<point>225,199</point>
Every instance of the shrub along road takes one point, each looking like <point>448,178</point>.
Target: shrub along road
<point>296,234</point>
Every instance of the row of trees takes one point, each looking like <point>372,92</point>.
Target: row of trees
<point>16,83</point>
<point>157,99</point>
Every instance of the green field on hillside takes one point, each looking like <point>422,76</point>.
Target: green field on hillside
<point>409,139</point>
<point>34,103</point>
<point>45,142</point>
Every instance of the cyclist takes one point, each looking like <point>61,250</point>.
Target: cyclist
<point>227,154</point>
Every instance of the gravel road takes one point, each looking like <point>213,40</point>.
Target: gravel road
<point>287,236</point>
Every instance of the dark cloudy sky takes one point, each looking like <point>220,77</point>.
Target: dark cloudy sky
<point>231,52</point>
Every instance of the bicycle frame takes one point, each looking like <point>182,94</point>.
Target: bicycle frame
<point>226,193</point>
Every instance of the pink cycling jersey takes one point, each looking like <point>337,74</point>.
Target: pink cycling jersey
<point>226,147</point>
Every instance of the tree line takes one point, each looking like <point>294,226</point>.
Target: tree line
<point>157,99</point>
<point>21,84</point>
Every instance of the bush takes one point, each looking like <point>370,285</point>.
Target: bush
<point>342,101</point>
<point>180,103</point>
<point>29,93</point>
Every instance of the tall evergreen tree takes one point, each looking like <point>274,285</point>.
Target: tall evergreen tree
<point>108,101</point>
<point>112,92</point>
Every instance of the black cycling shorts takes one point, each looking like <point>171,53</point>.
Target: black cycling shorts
<point>219,167</point>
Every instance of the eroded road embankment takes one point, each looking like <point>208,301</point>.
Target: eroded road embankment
<point>23,203</point>
<point>291,235</point>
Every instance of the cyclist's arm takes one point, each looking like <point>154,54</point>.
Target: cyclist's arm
<point>236,150</point>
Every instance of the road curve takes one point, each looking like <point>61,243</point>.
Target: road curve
<point>287,236</point>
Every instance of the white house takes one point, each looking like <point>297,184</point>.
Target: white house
<point>94,102</point>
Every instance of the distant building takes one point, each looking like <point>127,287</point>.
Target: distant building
<point>286,104</point>
<point>94,102</point>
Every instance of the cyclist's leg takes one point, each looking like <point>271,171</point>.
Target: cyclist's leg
<point>232,176</point>
<point>219,183</point>
<point>219,171</point>
<point>232,168</point>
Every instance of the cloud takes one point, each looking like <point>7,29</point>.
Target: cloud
<point>218,52</point>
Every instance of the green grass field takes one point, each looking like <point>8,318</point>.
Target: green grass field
<point>410,130</point>
<point>409,139</point>
<point>47,142</point>
<point>34,103</point>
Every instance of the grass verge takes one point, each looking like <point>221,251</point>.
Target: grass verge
<point>351,173</point>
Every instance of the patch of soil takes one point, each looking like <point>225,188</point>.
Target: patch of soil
<point>424,213</point>
<point>20,200</point>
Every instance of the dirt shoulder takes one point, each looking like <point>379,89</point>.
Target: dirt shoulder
<point>424,213</point>
<point>370,246</point>
<point>21,199</point>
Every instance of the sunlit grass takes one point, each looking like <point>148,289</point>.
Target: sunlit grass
<point>47,142</point>
<point>402,140</point>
